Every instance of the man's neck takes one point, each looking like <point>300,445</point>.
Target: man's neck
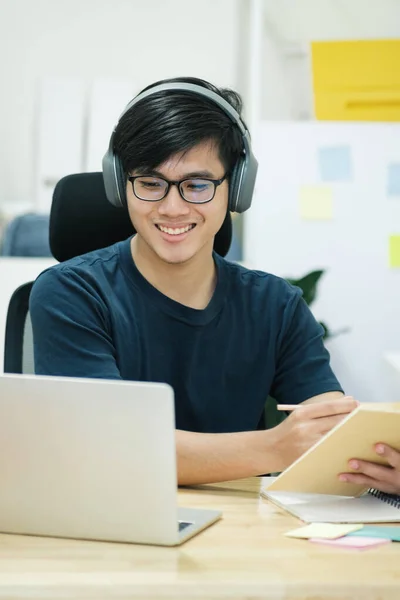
<point>191,283</point>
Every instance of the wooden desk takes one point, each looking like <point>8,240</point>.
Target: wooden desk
<point>243,556</point>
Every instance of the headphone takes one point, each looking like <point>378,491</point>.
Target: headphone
<point>242,178</point>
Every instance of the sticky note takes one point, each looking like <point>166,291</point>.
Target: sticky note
<point>394,251</point>
<point>316,202</point>
<point>357,543</point>
<point>334,163</point>
<point>323,530</point>
<point>376,531</point>
<point>393,180</point>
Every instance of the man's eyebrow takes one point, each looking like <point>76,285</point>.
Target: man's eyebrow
<point>193,174</point>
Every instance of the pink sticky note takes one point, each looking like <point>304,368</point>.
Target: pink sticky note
<point>357,543</point>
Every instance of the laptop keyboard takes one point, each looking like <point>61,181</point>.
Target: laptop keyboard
<point>183,524</point>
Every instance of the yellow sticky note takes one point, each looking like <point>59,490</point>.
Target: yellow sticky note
<point>316,202</point>
<point>394,250</point>
<point>327,531</point>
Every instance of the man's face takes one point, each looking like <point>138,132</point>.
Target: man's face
<point>173,229</point>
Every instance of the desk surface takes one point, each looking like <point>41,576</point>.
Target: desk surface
<point>243,556</point>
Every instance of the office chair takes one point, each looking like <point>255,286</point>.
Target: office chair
<point>18,342</point>
<point>81,220</point>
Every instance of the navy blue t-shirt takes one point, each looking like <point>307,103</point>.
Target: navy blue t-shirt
<point>97,316</point>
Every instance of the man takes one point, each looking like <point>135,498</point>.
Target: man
<point>162,306</point>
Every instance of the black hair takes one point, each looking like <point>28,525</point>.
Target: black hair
<point>174,121</point>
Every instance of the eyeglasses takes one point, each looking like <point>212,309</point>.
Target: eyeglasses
<point>195,191</point>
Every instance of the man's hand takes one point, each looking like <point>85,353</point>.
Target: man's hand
<point>306,425</point>
<point>210,457</point>
<point>380,477</point>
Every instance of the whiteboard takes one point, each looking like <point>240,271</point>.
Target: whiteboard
<point>359,289</point>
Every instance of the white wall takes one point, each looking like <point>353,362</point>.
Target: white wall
<point>142,40</point>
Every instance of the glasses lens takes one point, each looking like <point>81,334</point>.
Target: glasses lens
<point>149,188</point>
<point>197,190</point>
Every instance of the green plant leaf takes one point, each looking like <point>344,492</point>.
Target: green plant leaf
<point>308,284</point>
<point>327,331</point>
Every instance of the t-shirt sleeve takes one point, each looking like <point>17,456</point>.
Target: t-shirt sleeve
<point>71,328</point>
<point>303,363</point>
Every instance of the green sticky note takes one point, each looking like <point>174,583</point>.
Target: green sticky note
<point>316,202</point>
<point>394,251</point>
<point>387,533</point>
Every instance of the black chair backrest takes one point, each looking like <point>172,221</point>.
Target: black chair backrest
<point>18,343</point>
<point>82,219</point>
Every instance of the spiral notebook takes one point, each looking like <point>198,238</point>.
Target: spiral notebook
<point>310,488</point>
<point>371,507</point>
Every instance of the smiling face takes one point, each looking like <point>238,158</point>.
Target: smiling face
<point>173,230</point>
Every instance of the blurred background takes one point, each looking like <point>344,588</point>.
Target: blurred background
<point>320,80</point>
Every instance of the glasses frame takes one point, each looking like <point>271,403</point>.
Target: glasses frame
<point>178,184</point>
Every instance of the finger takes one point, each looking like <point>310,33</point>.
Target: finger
<point>319,410</point>
<point>391,455</point>
<point>369,482</point>
<point>323,425</point>
<point>375,471</point>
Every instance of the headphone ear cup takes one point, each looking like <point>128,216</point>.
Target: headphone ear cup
<point>120,181</point>
<point>114,180</point>
<point>234,186</point>
<point>232,190</point>
<point>242,182</point>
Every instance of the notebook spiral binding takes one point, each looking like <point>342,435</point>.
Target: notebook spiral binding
<point>392,499</point>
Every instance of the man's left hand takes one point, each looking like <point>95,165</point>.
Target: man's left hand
<point>384,478</point>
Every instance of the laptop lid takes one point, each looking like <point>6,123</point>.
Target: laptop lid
<point>88,458</point>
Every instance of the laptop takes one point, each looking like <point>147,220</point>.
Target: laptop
<point>91,459</point>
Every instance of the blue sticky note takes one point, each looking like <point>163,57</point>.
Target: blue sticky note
<point>388,533</point>
<point>335,163</point>
<point>393,181</point>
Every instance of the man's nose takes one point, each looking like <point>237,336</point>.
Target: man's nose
<point>173,203</point>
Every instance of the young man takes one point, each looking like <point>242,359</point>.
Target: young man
<point>162,306</point>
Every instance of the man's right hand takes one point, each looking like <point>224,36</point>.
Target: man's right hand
<point>306,425</point>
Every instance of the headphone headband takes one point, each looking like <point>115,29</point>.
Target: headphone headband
<point>198,90</point>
